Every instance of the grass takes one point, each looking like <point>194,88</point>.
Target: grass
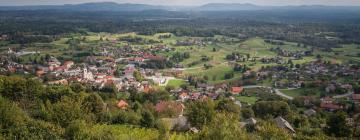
<point>176,83</point>
<point>256,47</point>
<point>302,92</point>
<point>247,99</point>
<point>215,74</point>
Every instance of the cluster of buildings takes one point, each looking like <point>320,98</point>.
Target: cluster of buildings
<point>284,77</point>
<point>293,54</point>
<point>4,37</point>
<point>97,71</point>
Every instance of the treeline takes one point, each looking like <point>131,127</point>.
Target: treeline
<point>301,30</point>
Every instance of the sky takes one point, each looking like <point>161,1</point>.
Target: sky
<point>186,2</point>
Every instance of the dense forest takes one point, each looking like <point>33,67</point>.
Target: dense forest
<point>320,30</point>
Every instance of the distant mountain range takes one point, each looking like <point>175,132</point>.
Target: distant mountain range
<point>228,7</point>
<point>111,6</point>
<point>103,6</point>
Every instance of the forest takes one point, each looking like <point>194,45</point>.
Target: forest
<point>320,30</point>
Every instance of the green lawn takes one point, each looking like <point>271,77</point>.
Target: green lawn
<point>302,92</point>
<point>247,99</point>
<point>176,83</point>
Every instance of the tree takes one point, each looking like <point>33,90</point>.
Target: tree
<point>16,88</point>
<point>15,124</point>
<point>147,119</point>
<point>77,87</point>
<point>337,125</point>
<point>156,96</point>
<point>247,113</point>
<point>274,108</point>
<point>66,111</point>
<point>223,127</point>
<point>138,76</point>
<point>77,130</point>
<point>11,115</point>
<point>129,117</point>
<point>291,64</point>
<point>229,75</point>
<point>200,113</point>
<point>270,131</point>
<point>228,106</point>
<point>93,103</point>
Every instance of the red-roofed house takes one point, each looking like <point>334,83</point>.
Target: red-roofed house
<point>147,89</point>
<point>154,57</point>
<point>68,64</point>
<point>355,98</point>
<point>237,90</point>
<point>183,96</point>
<point>122,105</point>
<point>40,72</point>
<point>330,106</point>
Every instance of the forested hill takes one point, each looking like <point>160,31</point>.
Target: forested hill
<point>111,6</point>
<point>104,6</point>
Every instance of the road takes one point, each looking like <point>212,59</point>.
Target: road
<point>344,95</point>
<point>276,91</point>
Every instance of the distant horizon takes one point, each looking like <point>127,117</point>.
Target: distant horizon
<point>176,3</point>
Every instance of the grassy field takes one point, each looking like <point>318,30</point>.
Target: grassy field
<point>256,47</point>
<point>176,83</point>
<point>302,92</point>
<point>247,99</point>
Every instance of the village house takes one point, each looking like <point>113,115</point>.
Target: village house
<point>122,104</point>
<point>68,64</point>
<point>39,72</point>
<point>355,98</point>
<point>328,103</point>
<point>309,112</point>
<point>183,96</point>
<point>282,123</point>
<point>4,37</point>
<point>307,100</point>
<point>237,90</point>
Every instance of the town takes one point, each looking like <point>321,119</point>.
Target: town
<point>173,79</point>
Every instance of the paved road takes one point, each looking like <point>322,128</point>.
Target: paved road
<point>344,95</point>
<point>276,91</point>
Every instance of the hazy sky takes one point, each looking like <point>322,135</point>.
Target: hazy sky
<point>186,2</point>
